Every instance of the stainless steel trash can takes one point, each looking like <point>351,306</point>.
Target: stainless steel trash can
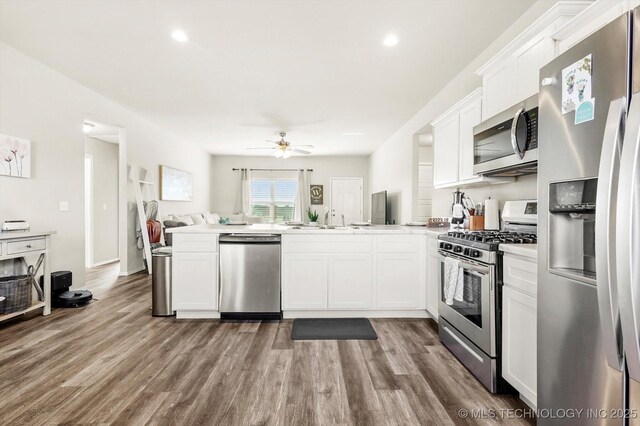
<point>161,283</point>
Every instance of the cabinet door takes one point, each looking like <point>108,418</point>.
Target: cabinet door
<point>499,90</point>
<point>470,116</point>
<point>397,278</point>
<point>433,286</point>
<point>445,151</point>
<point>350,283</point>
<point>528,65</point>
<point>304,281</point>
<point>195,281</point>
<point>519,342</point>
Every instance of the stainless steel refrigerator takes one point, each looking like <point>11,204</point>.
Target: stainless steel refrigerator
<point>589,230</point>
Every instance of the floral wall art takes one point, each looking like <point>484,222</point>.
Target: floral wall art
<point>15,156</point>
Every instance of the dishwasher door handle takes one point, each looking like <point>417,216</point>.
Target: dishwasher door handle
<point>249,239</point>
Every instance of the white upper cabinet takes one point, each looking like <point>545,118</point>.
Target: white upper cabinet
<point>499,86</point>
<point>445,151</point>
<point>512,75</point>
<point>590,20</point>
<point>470,116</point>
<point>453,145</point>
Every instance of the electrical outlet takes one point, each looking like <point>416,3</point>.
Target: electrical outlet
<point>64,206</point>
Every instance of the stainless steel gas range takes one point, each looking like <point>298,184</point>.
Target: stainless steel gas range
<point>470,277</point>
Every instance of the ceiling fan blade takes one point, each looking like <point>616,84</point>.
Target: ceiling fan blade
<point>300,151</point>
<point>266,147</point>
<point>298,146</point>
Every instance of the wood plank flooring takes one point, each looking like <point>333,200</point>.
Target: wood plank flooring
<point>112,363</point>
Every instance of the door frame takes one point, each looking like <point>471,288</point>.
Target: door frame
<point>361,180</point>
<point>88,212</point>
<point>123,231</point>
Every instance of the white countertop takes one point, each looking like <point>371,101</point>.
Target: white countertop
<point>526,250</point>
<point>20,234</point>
<point>284,229</point>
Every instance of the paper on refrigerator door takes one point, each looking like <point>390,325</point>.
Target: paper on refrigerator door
<point>576,84</point>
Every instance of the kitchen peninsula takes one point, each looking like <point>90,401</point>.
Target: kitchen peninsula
<point>371,271</point>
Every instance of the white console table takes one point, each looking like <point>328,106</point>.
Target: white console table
<point>15,245</point>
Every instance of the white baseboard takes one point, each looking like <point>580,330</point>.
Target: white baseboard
<point>415,313</point>
<point>135,271</point>
<point>105,262</point>
<point>197,314</point>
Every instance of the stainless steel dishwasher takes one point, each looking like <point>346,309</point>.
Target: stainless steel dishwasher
<point>250,276</point>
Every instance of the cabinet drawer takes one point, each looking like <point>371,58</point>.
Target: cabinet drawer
<point>207,243</point>
<point>16,247</point>
<point>520,273</point>
<point>397,244</point>
<point>432,245</point>
<point>326,243</point>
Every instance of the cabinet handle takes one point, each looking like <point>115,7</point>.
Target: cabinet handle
<point>28,245</point>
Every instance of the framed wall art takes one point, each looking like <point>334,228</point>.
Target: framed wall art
<point>175,185</point>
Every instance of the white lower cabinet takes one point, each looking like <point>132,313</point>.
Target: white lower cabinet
<point>384,274</point>
<point>304,281</point>
<point>195,281</point>
<point>519,336</point>
<point>433,278</point>
<point>397,284</point>
<point>350,282</point>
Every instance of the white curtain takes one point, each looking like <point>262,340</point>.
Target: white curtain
<point>243,200</point>
<point>302,197</point>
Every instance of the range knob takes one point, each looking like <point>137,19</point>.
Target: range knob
<point>448,246</point>
<point>466,252</point>
<point>475,253</point>
<point>442,245</point>
<point>457,249</point>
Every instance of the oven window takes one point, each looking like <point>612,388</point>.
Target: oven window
<point>470,305</point>
<point>493,143</point>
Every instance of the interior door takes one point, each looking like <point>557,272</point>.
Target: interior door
<point>346,199</point>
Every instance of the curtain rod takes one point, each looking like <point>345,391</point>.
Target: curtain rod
<point>275,170</point>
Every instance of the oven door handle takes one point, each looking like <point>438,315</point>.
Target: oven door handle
<point>514,137</point>
<point>466,264</point>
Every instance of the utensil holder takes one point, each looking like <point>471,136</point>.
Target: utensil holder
<point>476,223</point>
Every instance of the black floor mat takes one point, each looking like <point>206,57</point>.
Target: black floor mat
<point>333,329</point>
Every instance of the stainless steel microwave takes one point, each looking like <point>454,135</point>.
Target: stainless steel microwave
<point>507,143</point>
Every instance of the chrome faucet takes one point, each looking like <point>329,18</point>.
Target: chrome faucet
<point>343,224</point>
<point>326,218</point>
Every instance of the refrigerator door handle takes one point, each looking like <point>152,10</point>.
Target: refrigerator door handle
<point>628,240</point>
<point>605,236</point>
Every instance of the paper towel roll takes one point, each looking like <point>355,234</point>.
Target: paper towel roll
<point>491,215</point>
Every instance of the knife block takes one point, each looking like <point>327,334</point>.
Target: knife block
<point>476,223</point>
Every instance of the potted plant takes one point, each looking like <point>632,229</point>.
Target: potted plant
<point>313,217</point>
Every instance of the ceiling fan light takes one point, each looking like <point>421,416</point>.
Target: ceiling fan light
<point>278,154</point>
<point>286,154</point>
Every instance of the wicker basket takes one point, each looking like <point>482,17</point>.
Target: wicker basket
<point>17,291</point>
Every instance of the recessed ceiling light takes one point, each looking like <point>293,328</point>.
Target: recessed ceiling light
<point>179,35</point>
<point>353,134</point>
<point>87,127</point>
<point>390,40</point>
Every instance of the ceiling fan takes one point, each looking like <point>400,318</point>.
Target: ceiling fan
<point>283,149</point>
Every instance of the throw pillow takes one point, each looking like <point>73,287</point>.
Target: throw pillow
<point>186,219</point>
<point>198,219</point>
<point>212,218</point>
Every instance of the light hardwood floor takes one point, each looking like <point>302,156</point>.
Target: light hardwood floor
<point>112,363</point>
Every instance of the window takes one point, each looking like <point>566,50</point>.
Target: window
<point>273,198</point>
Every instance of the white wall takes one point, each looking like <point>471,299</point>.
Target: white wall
<point>105,199</point>
<point>224,181</point>
<point>392,165</point>
<point>43,105</point>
